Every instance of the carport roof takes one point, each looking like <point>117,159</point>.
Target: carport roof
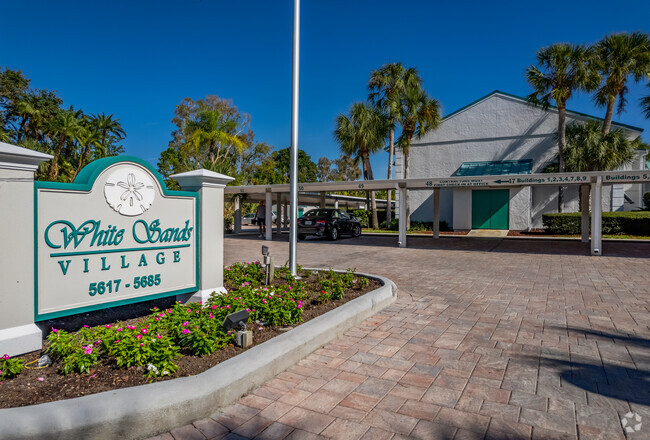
<point>495,168</point>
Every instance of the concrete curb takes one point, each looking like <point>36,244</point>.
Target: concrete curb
<point>145,410</point>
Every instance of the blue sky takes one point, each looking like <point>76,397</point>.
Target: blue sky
<point>138,59</point>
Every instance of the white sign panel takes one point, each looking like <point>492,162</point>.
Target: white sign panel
<point>114,237</point>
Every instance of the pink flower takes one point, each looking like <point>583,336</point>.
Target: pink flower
<point>6,357</point>
<point>211,316</point>
<point>54,330</point>
<point>144,331</point>
<point>119,329</point>
<point>138,336</point>
<point>85,326</point>
<point>88,350</point>
<point>228,307</point>
<point>156,318</point>
<point>40,379</point>
<point>108,326</point>
<point>189,310</point>
<point>141,344</point>
<point>185,323</point>
<point>214,307</point>
<point>158,336</point>
<point>116,341</point>
<point>186,331</point>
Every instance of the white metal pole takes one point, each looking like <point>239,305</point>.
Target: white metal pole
<point>436,213</point>
<point>295,75</point>
<point>596,216</point>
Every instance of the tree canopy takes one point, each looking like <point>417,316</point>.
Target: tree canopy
<point>36,119</point>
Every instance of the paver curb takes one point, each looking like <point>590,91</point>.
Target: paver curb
<point>146,410</point>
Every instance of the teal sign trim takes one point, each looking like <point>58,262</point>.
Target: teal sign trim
<point>84,182</point>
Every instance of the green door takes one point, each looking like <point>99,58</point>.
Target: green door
<point>490,209</point>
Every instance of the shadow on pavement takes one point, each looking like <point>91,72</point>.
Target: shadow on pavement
<point>479,244</point>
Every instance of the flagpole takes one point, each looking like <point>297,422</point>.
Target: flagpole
<point>295,74</point>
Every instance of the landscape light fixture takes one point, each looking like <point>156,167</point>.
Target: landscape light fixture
<point>236,319</point>
<point>269,270</point>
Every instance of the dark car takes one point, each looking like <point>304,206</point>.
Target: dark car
<point>328,222</point>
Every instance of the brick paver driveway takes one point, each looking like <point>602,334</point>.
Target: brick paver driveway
<point>489,338</point>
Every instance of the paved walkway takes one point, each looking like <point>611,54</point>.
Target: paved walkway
<point>489,338</point>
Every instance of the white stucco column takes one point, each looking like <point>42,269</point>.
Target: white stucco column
<point>18,333</point>
<point>436,213</point>
<point>278,219</point>
<point>210,187</point>
<point>584,211</point>
<point>236,200</point>
<point>402,216</point>
<point>596,216</point>
<point>269,215</point>
<point>285,215</point>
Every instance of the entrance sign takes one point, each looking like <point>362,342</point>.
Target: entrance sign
<point>115,236</point>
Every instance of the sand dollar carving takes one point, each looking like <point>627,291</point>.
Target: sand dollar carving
<point>129,190</point>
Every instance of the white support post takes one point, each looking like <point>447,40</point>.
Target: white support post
<point>278,219</point>
<point>285,214</point>
<point>237,215</point>
<point>210,187</point>
<point>584,211</point>
<point>18,333</point>
<point>436,213</point>
<point>323,200</point>
<point>336,203</point>
<point>596,216</point>
<point>402,217</point>
<point>269,215</point>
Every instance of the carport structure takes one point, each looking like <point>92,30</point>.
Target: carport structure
<point>589,182</point>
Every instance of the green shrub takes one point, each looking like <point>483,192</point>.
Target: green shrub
<point>363,216</point>
<point>10,367</point>
<point>614,223</point>
<point>416,226</point>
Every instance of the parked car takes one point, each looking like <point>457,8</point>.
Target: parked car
<point>328,222</point>
<point>248,219</point>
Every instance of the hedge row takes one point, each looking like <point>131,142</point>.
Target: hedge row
<point>614,223</point>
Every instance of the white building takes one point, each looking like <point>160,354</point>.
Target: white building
<point>501,134</point>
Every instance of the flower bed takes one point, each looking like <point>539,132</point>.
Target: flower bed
<point>177,340</point>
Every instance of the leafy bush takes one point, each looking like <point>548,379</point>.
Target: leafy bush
<point>10,367</point>
<point>196,329</point>
<point>363,216</point>
<point>614,223</point>
<point>416,226</point>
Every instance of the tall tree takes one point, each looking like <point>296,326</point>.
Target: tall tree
<point>64,128</point>
<point>361,134</point>
<point>620,57</point>
<point>386,87</point>
<point>420,114</point>
<point>210,133</point>
<point>561,70</point>
<point>109,131</point>
<point>645,105</point>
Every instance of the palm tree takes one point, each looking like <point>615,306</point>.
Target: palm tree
<point>620,56</point>
<point>360,134</point>
<point>212,137</point>
<point>645,105</point>
<point>88,137</point>
<point>561,69</point>
<point>420,114</point>
<point>64,128</point>
<point>386,88</point>
<point>588,150</point>
<point>109,129</point>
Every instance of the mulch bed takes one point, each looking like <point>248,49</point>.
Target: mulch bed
<point>40,385</point>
